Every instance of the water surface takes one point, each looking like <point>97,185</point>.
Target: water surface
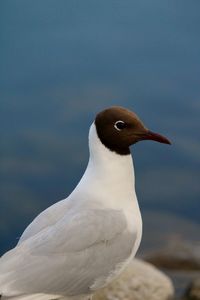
<point>63,61</point>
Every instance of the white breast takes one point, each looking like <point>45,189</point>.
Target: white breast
<point>109,182</point>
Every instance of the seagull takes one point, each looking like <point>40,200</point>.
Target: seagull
<point>82,243</point>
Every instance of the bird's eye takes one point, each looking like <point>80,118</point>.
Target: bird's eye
<point>119,125</point>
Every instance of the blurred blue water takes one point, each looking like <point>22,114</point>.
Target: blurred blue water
<point>63,61</point>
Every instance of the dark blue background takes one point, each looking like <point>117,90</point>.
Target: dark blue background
<point>63,61</point>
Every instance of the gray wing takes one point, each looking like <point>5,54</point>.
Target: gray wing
<point>70,257</point>
<point>47,218</point>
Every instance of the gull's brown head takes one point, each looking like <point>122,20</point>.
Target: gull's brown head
<point>119,128</point>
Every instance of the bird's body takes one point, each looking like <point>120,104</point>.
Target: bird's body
<point>79,244</point>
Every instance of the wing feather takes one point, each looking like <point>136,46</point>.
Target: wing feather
<point>69,257</point>
<point>47,218</point>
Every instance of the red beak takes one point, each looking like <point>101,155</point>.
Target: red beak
<point>149,135</point>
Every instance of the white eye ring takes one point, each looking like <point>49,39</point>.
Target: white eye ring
<point>119,125</point>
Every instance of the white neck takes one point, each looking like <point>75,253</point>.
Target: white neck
<point>109,182</point>
<point>120,167</point>
<point>110,175</point>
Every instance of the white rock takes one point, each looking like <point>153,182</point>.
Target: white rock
<point>140,281</point>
